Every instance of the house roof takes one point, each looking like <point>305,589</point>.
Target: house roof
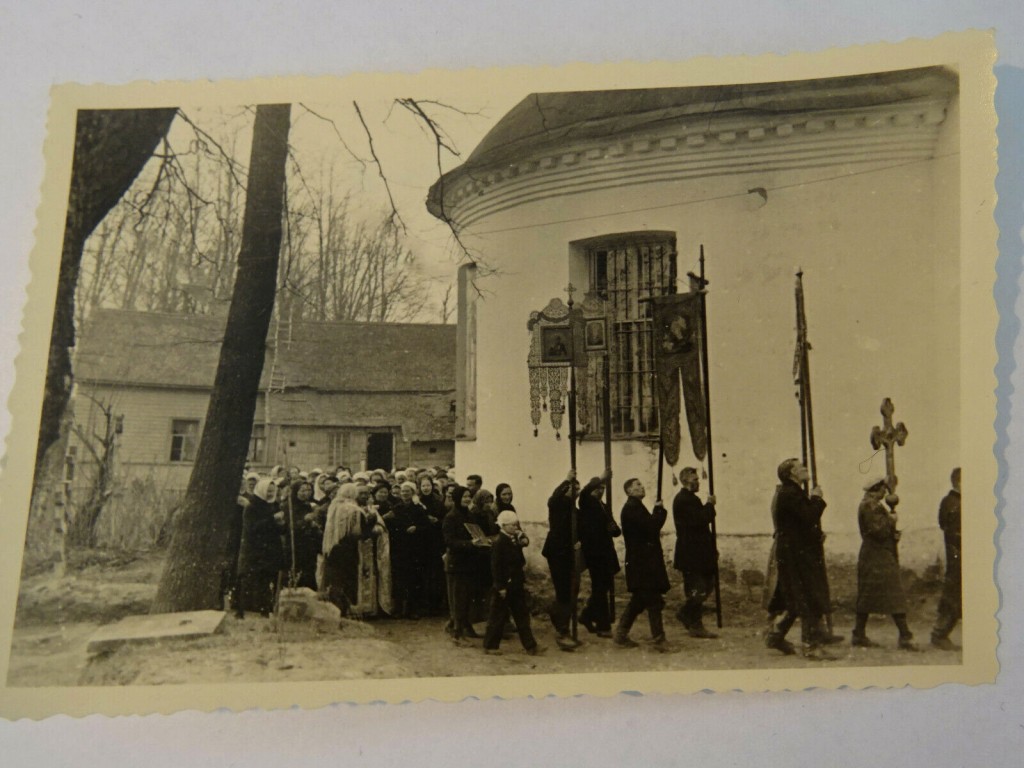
<point>421,416</point>
<point>542,121</point>
<point>182,351</point>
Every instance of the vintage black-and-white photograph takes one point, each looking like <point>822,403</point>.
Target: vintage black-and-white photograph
<point>382,387</point>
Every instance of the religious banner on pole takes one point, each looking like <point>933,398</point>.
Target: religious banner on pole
<point>677,339</point>
<point>562,337</point>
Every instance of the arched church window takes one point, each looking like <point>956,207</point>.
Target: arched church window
<point>625,272</point>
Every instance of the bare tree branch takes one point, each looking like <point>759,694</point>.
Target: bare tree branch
<point>395,217</point>
<point>337,133</point>
<point>231,162</point>
<point>439,144</point>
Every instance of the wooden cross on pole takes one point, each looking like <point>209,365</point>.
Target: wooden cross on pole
<point>888,436</point>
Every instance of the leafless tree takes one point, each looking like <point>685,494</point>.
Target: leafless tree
<point>101,446</point>
<point>199,552</point>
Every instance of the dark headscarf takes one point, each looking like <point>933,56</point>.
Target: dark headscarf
<point>457,494</point>
<point>502,506</point>
<point>296,502</point>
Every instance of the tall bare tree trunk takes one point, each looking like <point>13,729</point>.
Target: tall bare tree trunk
<point>111,148</point>
<point>199,545</point>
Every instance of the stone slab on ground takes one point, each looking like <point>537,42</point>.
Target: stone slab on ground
<point>158,626</point>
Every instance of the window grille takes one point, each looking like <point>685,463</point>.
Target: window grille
<point>626,273</point>
<point>184,439</point>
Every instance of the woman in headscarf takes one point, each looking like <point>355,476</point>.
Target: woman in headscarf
<point>260,556</point>
<point>319,492</point>
<point>460,563</point>
<point>597,531</point>
<point>434,590</point>
<point>309,533</point>
<point>482,513</point>
<point>503,498</point>
<point>382,499</point>
<point>407,529</point>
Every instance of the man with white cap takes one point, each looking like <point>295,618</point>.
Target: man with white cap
<point>508,586</point>
<point>879,587</point>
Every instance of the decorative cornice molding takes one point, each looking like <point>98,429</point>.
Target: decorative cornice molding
<point>692,148</point>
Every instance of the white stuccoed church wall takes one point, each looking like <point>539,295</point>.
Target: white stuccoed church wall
<point>880,254</point>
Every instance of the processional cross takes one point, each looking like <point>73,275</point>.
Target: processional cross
<point>888,436</point>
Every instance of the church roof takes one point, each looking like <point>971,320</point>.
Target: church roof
<point>543,121</point>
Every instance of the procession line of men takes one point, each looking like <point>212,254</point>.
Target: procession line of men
<point>405,545</point>
<point>797,588</point>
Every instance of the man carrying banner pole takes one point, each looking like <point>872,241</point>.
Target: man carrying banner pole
<point>680,349</point>
<point>802,376</point>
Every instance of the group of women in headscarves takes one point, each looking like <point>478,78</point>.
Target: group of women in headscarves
<point>370,542</point>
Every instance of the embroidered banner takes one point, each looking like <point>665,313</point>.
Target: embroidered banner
<point>677,344</point>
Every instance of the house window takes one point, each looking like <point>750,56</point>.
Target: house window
<point>336,448</point>
<point>626,272</point>
<point>184,439</point>
<point>257,444</point>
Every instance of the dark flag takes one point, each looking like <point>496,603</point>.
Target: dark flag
<point>677,344</point>
<point>800,353</point>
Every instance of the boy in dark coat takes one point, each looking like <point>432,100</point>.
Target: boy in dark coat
<point>646,577</point>
<point>508,586</point>
<point>696,555</point>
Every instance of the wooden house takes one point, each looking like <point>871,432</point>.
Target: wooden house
<point>364,395</point>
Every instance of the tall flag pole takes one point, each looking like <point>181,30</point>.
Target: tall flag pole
<point>574,586</point>
<point>802,376</point>
<point>702,292</point>
<point>606,418</point>
<point>680,357</point>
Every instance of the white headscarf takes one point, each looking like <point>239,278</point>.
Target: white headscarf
<point>262,488</point>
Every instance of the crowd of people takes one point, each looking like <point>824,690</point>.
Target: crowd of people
<point>416,543</point>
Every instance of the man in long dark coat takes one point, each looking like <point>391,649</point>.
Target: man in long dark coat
<point>799,555</point>
<point>646,577</point>
<point>560,550</point>
<point>879,587</point>
<point>696,555</point>
<point>950,605</point>
<point>598,530</point>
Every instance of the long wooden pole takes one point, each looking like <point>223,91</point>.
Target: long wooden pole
<point>801,361</point>
<point>806,412</point>
<point>293,580</point>
<point>705,368</point>
<point>606,418</point>
<point>574,587</point>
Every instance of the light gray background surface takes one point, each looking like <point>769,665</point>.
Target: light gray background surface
<point>114,42</point>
